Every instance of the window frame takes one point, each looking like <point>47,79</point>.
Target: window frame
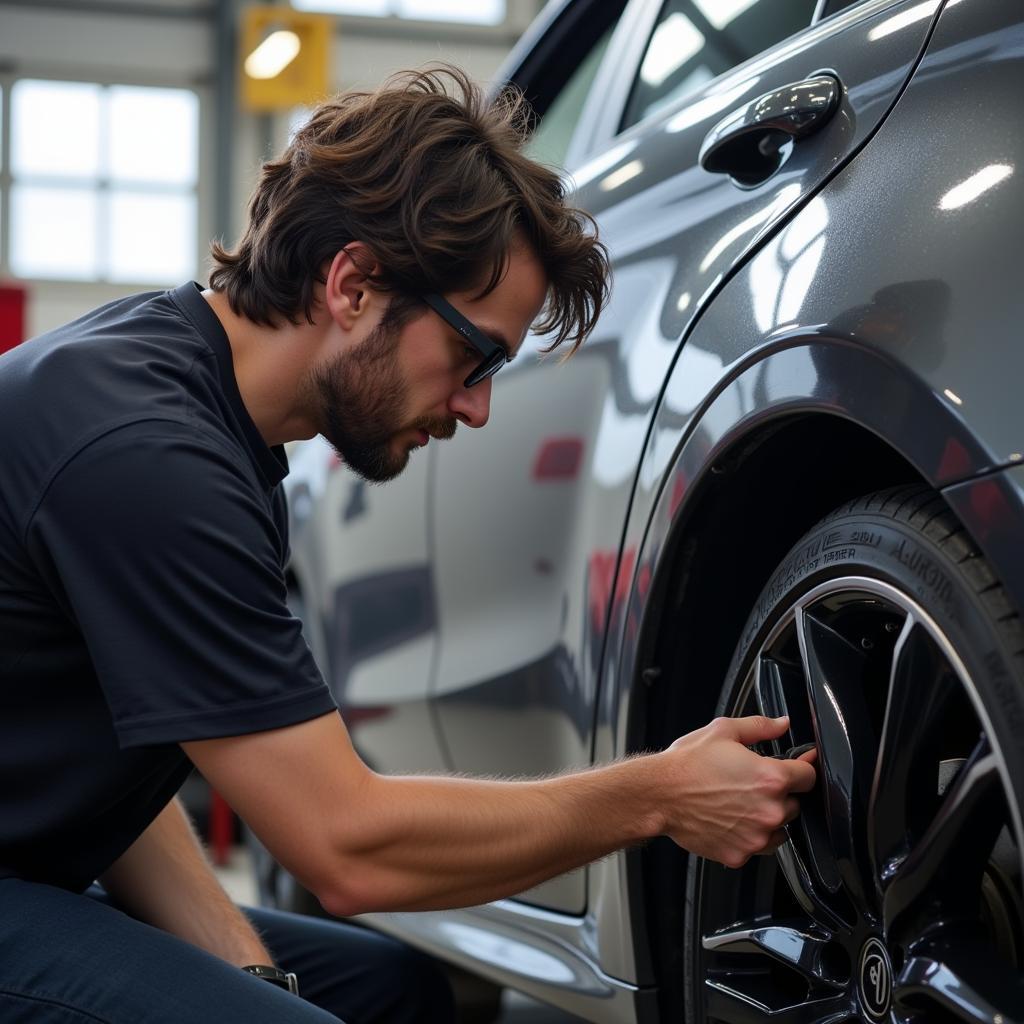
<point>525,64</point>
<point>202,190</point>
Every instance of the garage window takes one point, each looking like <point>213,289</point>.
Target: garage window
<point>476,12</point>
<point>103,182</point>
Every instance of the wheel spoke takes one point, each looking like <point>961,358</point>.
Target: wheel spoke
<point>728,1004</point>
<point>904,793</point>
<point>781,690</point>
<point>966,981</point>
<point>770,691</point>
<point>805,889</point>
<point>787,944</point>
<point>835,671</point>
<point>947,862</point>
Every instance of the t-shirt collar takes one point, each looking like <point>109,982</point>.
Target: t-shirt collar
<point>272,462</point>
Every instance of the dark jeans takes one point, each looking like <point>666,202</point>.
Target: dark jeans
<point>68,959</point>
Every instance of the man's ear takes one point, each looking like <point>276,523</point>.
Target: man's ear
<point>348,295</point>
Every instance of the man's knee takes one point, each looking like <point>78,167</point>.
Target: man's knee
<point>427,992</point>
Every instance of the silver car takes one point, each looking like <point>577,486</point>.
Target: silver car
<point>785,473</point>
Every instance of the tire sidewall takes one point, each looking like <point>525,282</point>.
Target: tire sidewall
<point>875,545</point>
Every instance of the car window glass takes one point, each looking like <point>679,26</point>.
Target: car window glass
<point>826,8</point>
<point>697,40</point>
<point>550,140</point>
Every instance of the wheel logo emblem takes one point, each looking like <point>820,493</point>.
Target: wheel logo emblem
<point>875,979</point>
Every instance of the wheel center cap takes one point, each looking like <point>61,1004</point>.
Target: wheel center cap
<point>875,979</point>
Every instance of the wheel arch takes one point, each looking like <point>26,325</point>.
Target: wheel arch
<point>803,424</point>
<point>712,537</point>
<point>788,460</point>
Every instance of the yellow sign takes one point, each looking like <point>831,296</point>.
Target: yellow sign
<point>283,58</point>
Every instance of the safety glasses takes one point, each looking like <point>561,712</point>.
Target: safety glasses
<point>492,355</point>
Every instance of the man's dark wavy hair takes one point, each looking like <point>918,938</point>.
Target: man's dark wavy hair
<point>432,178</point>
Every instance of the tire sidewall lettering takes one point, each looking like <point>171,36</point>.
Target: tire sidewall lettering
<point>869,545</point>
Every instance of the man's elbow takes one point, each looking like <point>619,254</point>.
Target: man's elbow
<point>351,879</point>
<point>352,892</point>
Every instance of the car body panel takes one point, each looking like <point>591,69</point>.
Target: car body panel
<point>360,560</point>
<point>992,509</point>
<point>884,362</point>
<point>531,645</point>
<point>548,955</point>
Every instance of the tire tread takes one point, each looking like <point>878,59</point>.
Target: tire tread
<point>921,507</point>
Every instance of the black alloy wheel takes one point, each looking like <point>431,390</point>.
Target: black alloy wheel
<point>897,896</point>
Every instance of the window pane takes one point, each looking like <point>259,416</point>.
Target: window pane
<point>721,12</point>
<point>55,128</point>
<point>479,12</point>
<point>53,232</point>
<point>373,7</point>
<point>298,117</point>
<point>550,141</point>
<point>674,42</point>
<point>152,238</point>
<point>154,135</point>
<point>697,40</point>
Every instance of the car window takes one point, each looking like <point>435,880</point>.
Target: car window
<point>696,40</point>
<point>550,140</point>
<point>826,8</point>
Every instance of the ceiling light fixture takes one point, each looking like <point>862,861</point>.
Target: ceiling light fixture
<point>273,55</point>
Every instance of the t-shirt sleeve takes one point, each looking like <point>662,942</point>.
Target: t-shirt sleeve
<point>164,550</point>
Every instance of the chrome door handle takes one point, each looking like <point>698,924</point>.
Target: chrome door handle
<point>750,143</point>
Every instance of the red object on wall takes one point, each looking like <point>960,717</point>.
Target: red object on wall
<point>12,315</point>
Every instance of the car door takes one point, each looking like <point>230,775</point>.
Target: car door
<point>360,580</point>
<point>528,514</point>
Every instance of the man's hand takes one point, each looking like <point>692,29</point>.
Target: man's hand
<point>732,802</point>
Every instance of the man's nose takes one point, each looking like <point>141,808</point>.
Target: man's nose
<point>472,406</point>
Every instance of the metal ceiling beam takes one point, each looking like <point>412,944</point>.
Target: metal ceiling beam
<point>132,8</point>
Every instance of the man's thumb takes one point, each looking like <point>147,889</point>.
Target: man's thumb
<point>756,728</point>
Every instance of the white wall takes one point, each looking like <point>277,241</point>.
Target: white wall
<point>173,43</point>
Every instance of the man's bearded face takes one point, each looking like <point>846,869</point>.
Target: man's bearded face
<point>363,402</point>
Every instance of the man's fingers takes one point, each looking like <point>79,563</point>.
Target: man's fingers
<point>757,728</point>
<point>777,839</point>
<point>792,808</point>
<point>800,775</point>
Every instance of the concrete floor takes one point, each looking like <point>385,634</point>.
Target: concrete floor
<point>236,877</point>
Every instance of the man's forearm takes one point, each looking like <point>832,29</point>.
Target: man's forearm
<point>445,842</point>
<point>363,841</point>
<point>165,879</point>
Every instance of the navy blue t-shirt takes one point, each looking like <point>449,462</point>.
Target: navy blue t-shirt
<point>143,538</point>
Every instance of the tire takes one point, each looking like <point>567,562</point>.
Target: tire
<point>890,643</point>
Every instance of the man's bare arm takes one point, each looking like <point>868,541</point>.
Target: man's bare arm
<point>165,879</point>
<point>361,841</point>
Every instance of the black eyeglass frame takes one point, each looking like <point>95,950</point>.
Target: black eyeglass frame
<point>492,355</point>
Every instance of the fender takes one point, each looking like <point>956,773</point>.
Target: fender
<point>890,301</point>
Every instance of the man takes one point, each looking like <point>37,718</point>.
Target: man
<point>395,256</point>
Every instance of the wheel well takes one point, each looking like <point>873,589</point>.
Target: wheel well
<point>759,498</point>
